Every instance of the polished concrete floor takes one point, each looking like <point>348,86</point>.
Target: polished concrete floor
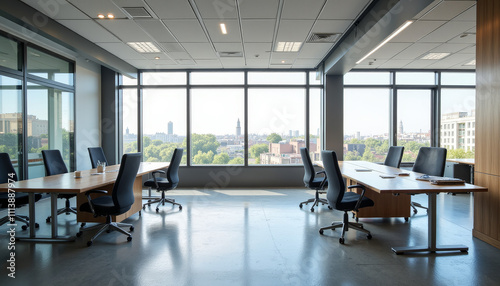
<point>255,237</point>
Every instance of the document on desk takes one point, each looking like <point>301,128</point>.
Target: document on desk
<point>363,170</point>
<point>435,180</point>
<point>387,176</point>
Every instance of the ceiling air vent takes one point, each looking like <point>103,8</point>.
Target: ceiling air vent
<point>323,38</point>
<point>137,12</point>
<point>230,54</point>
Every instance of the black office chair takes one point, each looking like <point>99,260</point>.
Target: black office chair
<point>394,156</point>
<point>119,202</point>
<point>163,184</point>
<point>341,200</point>
<point>54,165</point>
<point>7,175</point>
<point>312,182</point>
<point>430,161</point>
<point>97,156</point>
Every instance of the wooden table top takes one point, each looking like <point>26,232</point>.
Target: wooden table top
<point>399,184</point>
<point>462,161</point>
<point>68,183</point>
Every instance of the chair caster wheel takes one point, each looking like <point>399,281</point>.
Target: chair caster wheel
<point>24,227</point>
<point>369,236</point>
<point>300,206</point>
<point>157,209</point>
<point>180,208</point>
<point>89,243</point>
<point>83,224</point>
<point>415,211</point>
<point>131,228</point>
<point>341,240</point>
<point>129,238</point>
<point>406,219</point>
<point>140,213</point>
<point>48,220</point>
<point>144,207</point>
<point>37,225</point>
<point>78,234</point>
<point>330,207</point>
<point>357,219</point>
<point>312,210</point>
<point>320,231</point>
<point>108,230</point>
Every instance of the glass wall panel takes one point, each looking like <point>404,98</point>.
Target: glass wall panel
<point>314,79</point>
<point>414,121</point>
<point>276,78</point>
<point>164,123</point>
<point>49,67</point>
<point>275,125</point>
<point>416,78</point>
<point>129,81</point>
<point>315,123</point>
<point>50,121</point>
<point>458,122</point>
<point>11,124</point>
<point>9,56</point>
<point>164,78</point>
<point>129,113</point>
<point>458,78</point>
<point>217,126</point>
<point>366,124</point>
<point>212,78</point>
<point>368,78</point>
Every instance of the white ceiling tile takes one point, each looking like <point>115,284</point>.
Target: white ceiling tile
<point>389,50</point>
<point>394,64</point>
<point>280,66</point>
<point>341,9</point>
<point>90,30</point>
<point>208,63</point>
<point>300,9</point>
<point>185,62</point>
<point>315,50</point>
<point>255,31</point>
<point>228,47</point>
<point>233,31</point>
<point>217,9</point>
<point>448,31</point>
<point>94,7</point>
<point>416,31</point>
<point>370,64</point>
<point>200,50</point>
<point>179,55</point>
<point>122,50</point>
<point>171,9</point>
<point>262,64</point>
<point>448,10</point>
<point>331,26</point>
<point>469,50</point>
<point>258,9</point>
<point>172,47</point>
<point>464,39</point>
<point>232,62</point>
<point>282,61</point>
<point>283,56</point>
<point>61,10</point>
<point>263,50</point>
<point>415,51</point>
<point>294,30</point>
<point>449,48</point>
<point>156,29</point>
<point>126,30</point>
<point>186,31</point>
<point>451,61</point>
<point>469,15</point>
<point>418,64</point>
<point>309,63</point>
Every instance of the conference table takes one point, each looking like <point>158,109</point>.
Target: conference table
<point>69,184</point>
<point>384,180</point>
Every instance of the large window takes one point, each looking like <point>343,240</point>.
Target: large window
<point>225,117</point>
<point>11,120</point>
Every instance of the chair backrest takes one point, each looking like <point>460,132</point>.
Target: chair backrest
<point>7,171</point>
<point>123,189</point>
<point>97,156</point>
<point>430,161</point>
<point>53,162</point>
<point>173,167</point>
<point>309,172</point>
<point>394,156</point>
<point>336,185</point>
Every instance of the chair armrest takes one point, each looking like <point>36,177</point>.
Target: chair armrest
<point>358,203</point>
<point>154,177</point>
<point>321,172</point>
<point>89,199</point>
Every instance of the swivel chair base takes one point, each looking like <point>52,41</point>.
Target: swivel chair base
<point>24,219</point>
<point>316,201</point>
<point>108,227</point>
<point>161,201</point>
<point>67,210</point>
<point>415,205</point>
<point>346,224</point>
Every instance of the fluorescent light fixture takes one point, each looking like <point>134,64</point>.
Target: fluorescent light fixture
<point>435,56</point>
<point>223,28</point>
<point>471,63</point>
<point>391,36</point>
<point>144,47</point>
<point>288,46</point>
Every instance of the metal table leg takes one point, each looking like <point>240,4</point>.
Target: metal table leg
<point>432,246</point>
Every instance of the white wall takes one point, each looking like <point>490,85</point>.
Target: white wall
<point>87,110</point>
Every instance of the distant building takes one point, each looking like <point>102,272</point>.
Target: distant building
<point>360,148</point>
<point>285,153</point>
<point>170,128</point>
<point>400,129</point>
<point>458,130</point>
<point>12,123</point>
<point>238,129</point>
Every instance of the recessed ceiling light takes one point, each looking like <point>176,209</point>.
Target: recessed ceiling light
<point>282,62</point>
<point>101,16</point>
<point>471,63</point>
<point>391,36</point>
<point>288,46</point>
<point>157,58</point>
<point>111,16</point>
<point>435,56</point>
<point>223,28</point>
<point>144,47</point>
